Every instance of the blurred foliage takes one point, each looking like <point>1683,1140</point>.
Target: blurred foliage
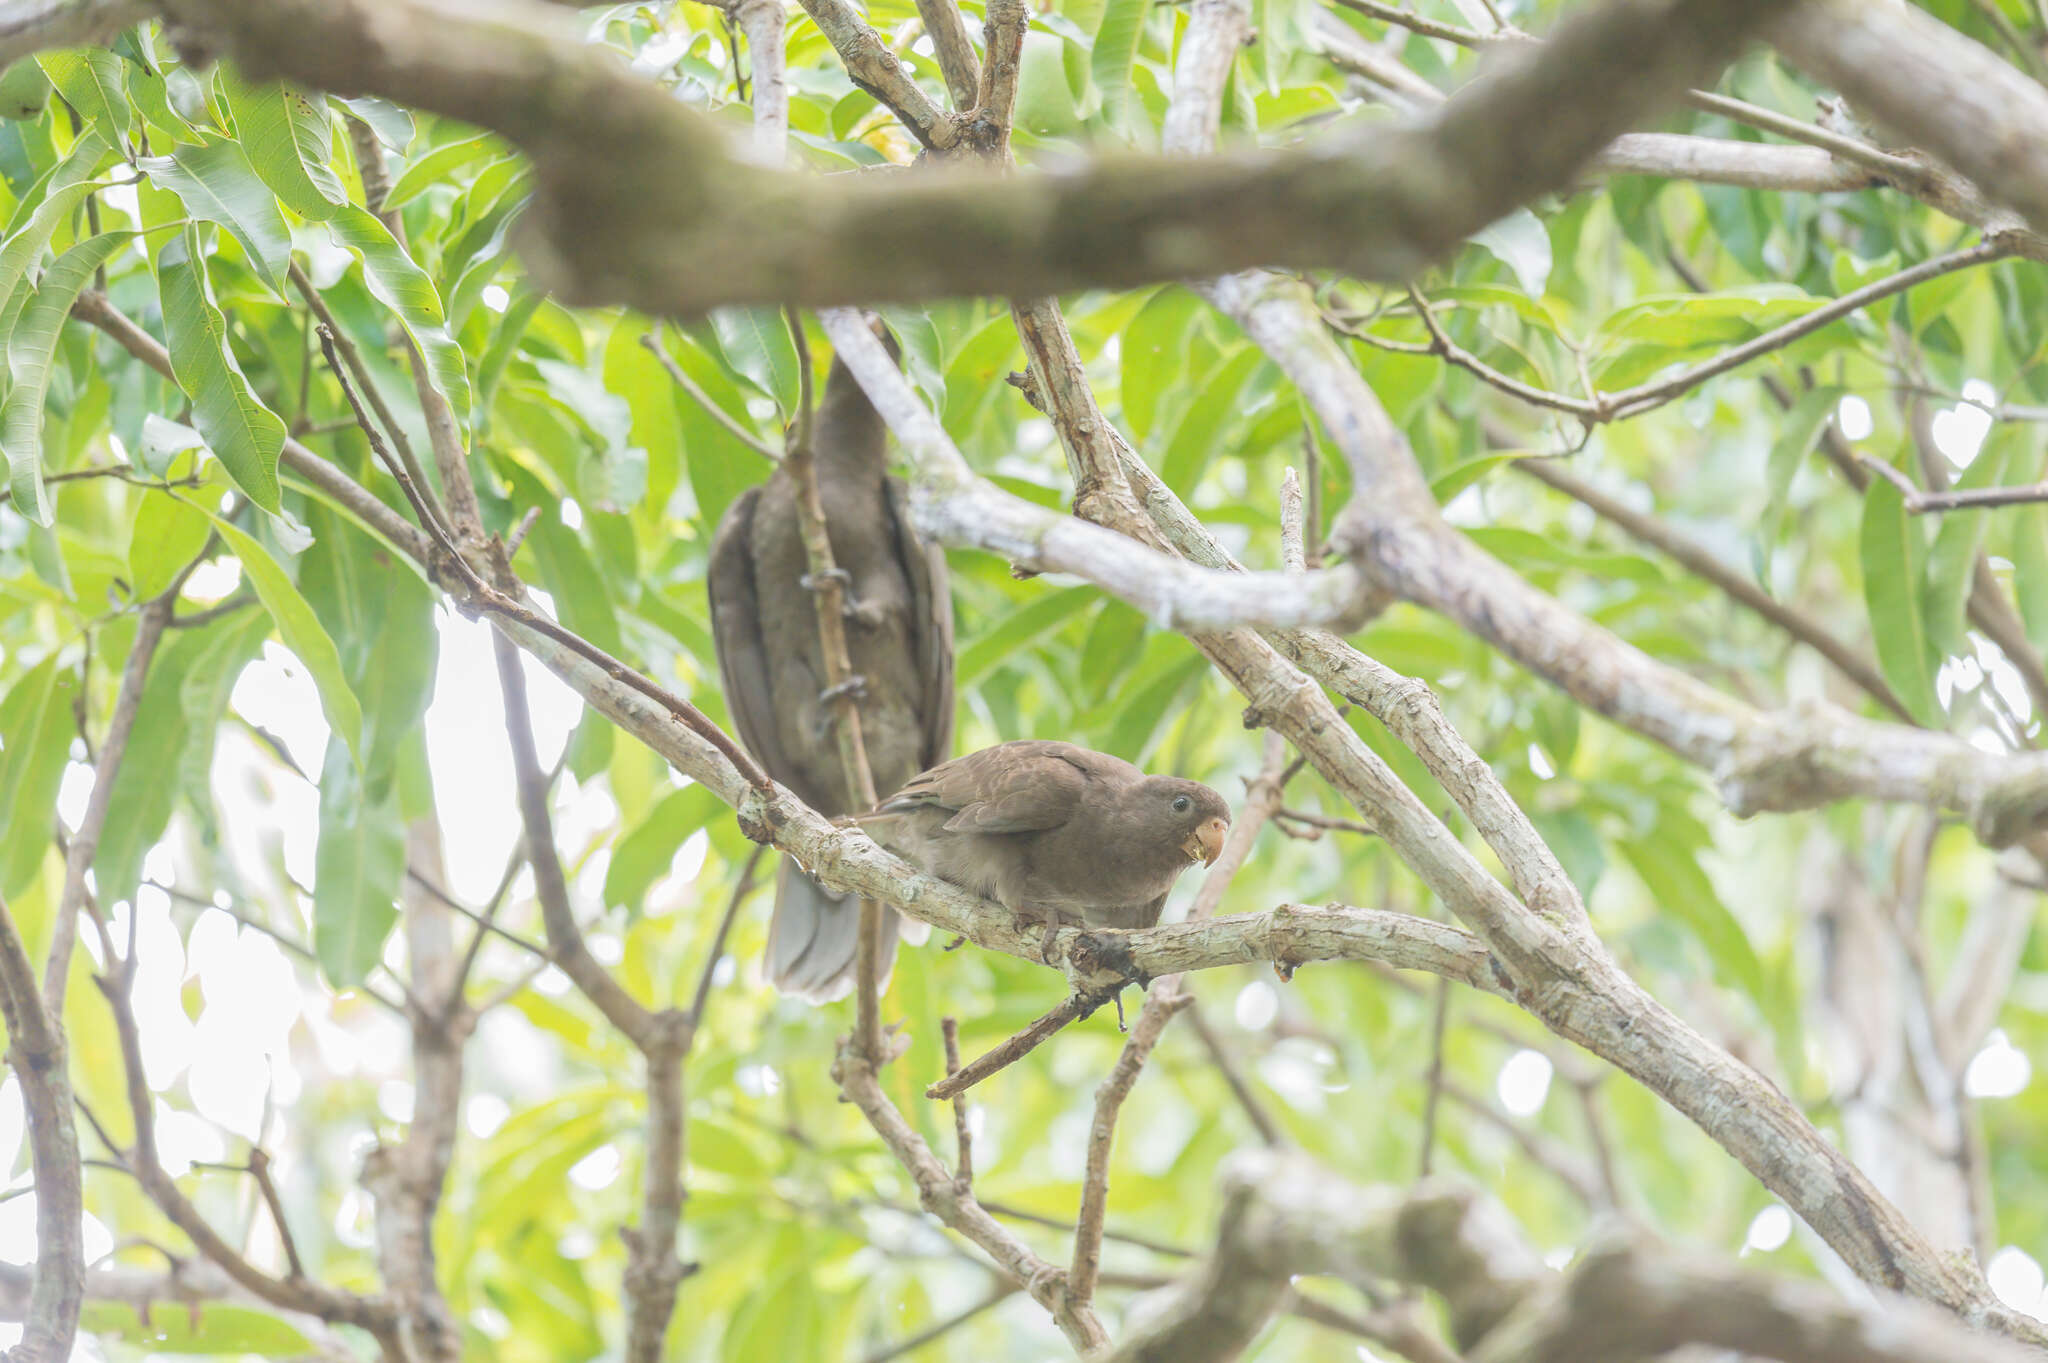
<point>187,195</point>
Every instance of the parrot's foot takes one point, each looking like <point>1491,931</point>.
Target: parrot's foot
<point>855,686</point>
<point>866,614</point>
<point>812,582</point>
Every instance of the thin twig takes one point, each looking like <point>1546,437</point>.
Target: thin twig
<point>1011,1051</point>
<point>352,356</point>
<point>482,596</point>
<point>703,399</point>
<point>1705,564</point>
<point>717,949</point>
<point>931,1334</point>
<point>1433,1099</point>
<point>963,1139</point>
<point>1162,1001</point>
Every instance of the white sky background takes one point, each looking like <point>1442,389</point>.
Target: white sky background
<point>237,1057</point>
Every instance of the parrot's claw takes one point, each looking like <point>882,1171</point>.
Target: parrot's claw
<point>812,582</point>
<point>855,686</point>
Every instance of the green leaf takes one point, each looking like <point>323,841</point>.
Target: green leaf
<point>1151,356</point>
<point>644,855</point>
<point>1116,47</point>
<point>30,350</point>
<point>163,440</point>
<point>1797,432</point>
<point>1952,565</point>
<point>169,533</point>
<point>381,617</point>
<point>1893,554</point>
<point>243,434</point>
<point>435,168</point>
<point>302,634</point>
<point>36,729</point>
<point>90,81</point>
<point>1682,889</point>
<point>287,136</point>
<point>217,184</point>
<point>214,1328</point>
<point>358,869</point>
<point>1019,630</point>
<point>1519,242</point>
<point>139,807</point>
<point>757,344</point>
<point>2030,571</point>
<point>404,288</point>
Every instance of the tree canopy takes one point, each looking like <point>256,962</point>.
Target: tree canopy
<point>1571,476</point>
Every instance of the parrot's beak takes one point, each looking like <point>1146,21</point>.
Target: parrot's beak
<point>1207,842</point>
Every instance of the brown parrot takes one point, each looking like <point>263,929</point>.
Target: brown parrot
<point>1055,832</point>
<point>899,633</point>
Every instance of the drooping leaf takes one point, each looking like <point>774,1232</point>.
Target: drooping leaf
<point>217,184</point>
<point>1115,49</point>
<point>1894,563</point>
<point>404,288</point>
<point>302,634</point>
<point>358,869</point>
<point>169,531</point>
<point>89,78</point>
<point>36,729</point>
<point>1519,242</point>
<point>30,350</point>
<point>286,134</point>
<point>243,434</point>
<point>644,855</point>
<point>1673,875</point>
<point>756,343</point>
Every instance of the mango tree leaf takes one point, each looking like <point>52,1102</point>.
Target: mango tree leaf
<point>163,440</point>
<point>1020,629</point>
<point>404,288</point>
<point>644,855</point>
<point>1952,565</point>
<point>2030,570</point>
<point>302,634</point>
<point>287,136</point>
<point>435,167</point>
<point>357,872</point>
<point>1893,562</point>
<point>1682,889</point>
<point>1520,242</point>
<point>1797,432</point>
<point>30,350</point>
<point>36,730</point>
<point>169,533</point>
<point>211,1329</point>
<point>1116,47</point>
<point>89,78</point>
<point>143,794</point>
<point>756,344</point>
<point>243,434</point>
<point>217,184</point>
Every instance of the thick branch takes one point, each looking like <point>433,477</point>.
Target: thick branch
<point>39,1058</point>
<point>1936,87</point>
<point>606,227</point>
<point>953,506</point>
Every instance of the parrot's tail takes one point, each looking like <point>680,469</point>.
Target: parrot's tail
<point>815,933</point>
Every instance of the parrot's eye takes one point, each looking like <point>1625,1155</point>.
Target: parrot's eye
<point>1181,804</point>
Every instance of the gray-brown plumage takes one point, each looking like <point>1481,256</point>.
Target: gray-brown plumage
<point>899,635</point>
<point>1055,832</point>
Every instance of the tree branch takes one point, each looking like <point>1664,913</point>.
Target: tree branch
<point>40,1060</point>
<point>636,229</point>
